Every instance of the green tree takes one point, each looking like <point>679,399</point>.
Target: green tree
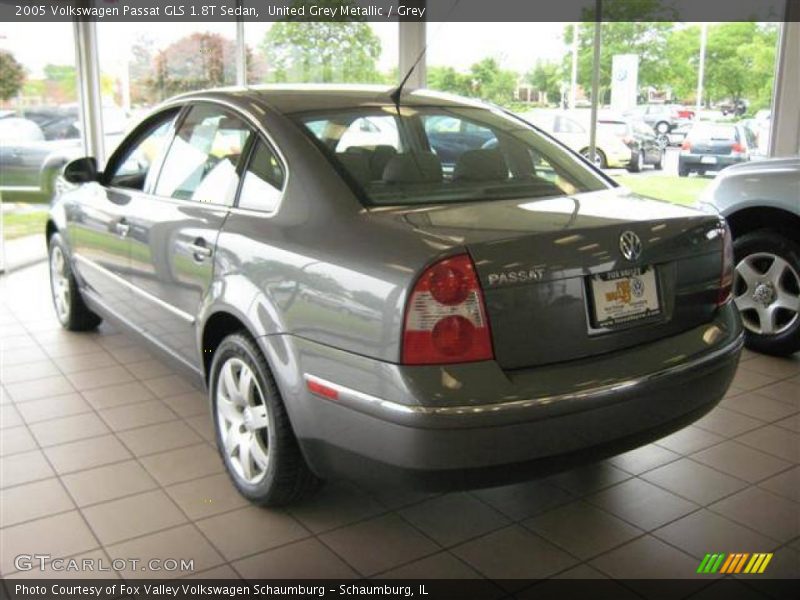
<point>740,59</point>
<point>647,40</point>
<point>12,75</point>
<point>547,77</point>
<point>197,61</point>
<point>491,83</point>
<point>447,79</point>
<point>61,83</point>
<point>314,51</point>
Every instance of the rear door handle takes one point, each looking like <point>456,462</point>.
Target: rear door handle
<point>200,250</point>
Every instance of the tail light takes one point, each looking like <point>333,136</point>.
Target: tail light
<point>446,316</point>
<point>628,140</point>
<point>686,146</point>
<point>726,278</point>
<point>738,148</point>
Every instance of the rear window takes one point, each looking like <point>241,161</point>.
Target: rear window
<point>617,128</point>
<point>713,131</point>
<point>427,155</point>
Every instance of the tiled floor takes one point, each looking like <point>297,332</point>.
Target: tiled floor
<point>108,453</point>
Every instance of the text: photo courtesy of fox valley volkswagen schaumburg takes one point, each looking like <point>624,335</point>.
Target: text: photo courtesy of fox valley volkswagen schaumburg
<point>435,299</point>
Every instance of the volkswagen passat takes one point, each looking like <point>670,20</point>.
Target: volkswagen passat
<point>457,301</point>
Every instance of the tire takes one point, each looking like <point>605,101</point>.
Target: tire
<point>659,164</point>
<point>273,472</point>
<point>767,291</point>
<point>683,171</point>
<point>635,166</point>
<point>599,158</point>
<point>71,310</point>
<point>662,127</point>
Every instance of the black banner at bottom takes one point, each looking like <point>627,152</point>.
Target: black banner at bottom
<point>431,589</point>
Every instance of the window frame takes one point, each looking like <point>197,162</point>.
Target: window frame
<point>247,157</point>
<point>229,111</point>
<point>134,138</point>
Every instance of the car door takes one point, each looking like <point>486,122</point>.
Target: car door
<point>99,220</point>
<point>174,227</point>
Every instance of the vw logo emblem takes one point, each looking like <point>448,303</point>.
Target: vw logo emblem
<point>630,245</point>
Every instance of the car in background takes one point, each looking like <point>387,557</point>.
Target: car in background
<point>572,130</point>
<point>516,315</point>
<point>761,201</point>
<point>714,146</point>
<point>663,118</point>
<point>37,145</point>
<point>639,137</point>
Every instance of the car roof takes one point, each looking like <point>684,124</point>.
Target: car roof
<point>297,98</point>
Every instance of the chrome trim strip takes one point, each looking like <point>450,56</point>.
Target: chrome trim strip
<point>146,295</point>
<point>386,408</point>
<point>94,298</point>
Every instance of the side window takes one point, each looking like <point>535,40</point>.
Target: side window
<point>131,167</point>
<point>263,180</point>
<point>201,162</point>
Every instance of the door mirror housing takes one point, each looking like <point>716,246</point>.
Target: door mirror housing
<point>81,170</point>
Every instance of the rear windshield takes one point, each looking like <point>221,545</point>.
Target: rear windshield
<point>713,131</point>
<point>427,155</point>
<point>617,128</point>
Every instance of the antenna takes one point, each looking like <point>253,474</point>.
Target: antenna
<point>398,91</point>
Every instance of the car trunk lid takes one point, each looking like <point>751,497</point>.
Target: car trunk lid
<point>537,261</point>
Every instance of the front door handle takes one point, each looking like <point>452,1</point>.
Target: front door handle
<point>122,228</point>
<point>200,250</point>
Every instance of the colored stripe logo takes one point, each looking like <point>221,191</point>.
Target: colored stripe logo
<point>737,562</point>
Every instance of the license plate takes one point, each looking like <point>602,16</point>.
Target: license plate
<point>624,296</point>
<point>709,160</point>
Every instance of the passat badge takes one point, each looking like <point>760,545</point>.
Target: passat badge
<point>630,245</point>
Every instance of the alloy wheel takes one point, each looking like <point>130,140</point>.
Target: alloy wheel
<point>59,283</point>
<point>767,293</point>
<point>243,420</point>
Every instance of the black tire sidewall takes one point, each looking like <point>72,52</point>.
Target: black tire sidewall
<point>773,242</point>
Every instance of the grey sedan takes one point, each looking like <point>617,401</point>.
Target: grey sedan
<point>761,201</point>
<point>358,305</point>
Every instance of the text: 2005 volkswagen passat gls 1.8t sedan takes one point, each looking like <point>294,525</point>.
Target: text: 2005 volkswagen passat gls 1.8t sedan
<point>431,292</point>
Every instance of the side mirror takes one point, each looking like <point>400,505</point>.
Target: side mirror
<point>81,170</point>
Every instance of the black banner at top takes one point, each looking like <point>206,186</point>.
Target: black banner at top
<point>398,10</point>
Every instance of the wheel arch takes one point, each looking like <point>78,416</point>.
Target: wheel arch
<point>754,218</point>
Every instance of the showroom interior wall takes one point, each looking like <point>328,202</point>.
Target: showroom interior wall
<point>411,51</point>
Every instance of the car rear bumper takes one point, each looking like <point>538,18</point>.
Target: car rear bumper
<point>695,161</point>
<point>458,429</point>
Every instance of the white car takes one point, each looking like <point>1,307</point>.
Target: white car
<point>572,130</point>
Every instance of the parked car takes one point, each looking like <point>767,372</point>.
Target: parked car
<point>572,130</point>
<point>663,118</point>
<point>736,108</point>
<point>714,146</point>
<point>639,137</point>
<point>31,157</point>
<point>515,316</point>
<point>761,201</point>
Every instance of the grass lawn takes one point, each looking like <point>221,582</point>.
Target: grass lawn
<point>16,225</point>
<point>680,190</point>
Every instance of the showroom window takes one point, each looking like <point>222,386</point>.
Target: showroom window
<point>313,52</point>
<point>263,180</point>
<point>139,68</point>
<point>201,161</point>
<point>39,104</point>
